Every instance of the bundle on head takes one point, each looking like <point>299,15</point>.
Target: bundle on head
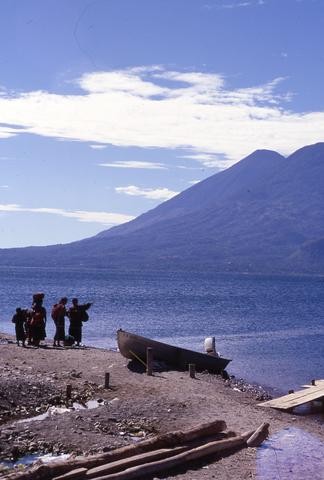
<point>37,297</point>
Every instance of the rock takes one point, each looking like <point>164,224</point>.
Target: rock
<point>106,449</point>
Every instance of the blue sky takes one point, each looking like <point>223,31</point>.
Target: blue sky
<point>109,107</point>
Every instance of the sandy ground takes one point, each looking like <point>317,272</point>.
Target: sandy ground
<point>135,406</point>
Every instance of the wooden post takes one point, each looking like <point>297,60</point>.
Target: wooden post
<point>313,382</point>
<point>107,377</point>
<point>149,361</point>
<point>192,370</point>
<point>68,391</point>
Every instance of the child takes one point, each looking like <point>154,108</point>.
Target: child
<point>19,319</point>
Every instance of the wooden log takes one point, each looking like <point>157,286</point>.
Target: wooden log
<point>141,471</point>
<point>168,440</point>
<point>247,435</point>
<point>147,457</point>
<point>149,361</point>
<point>113,467</point>
<point>78,473</point>
<point>259,435</point>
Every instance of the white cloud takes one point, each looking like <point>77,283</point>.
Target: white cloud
<point>200,156</point>
<point>186,167</point>
<point>4,186</point>
<point>135,164</point>
<point>225,4</point>
<point>7,133</point>
<point>153,194</point>
<point>97,146</point>
<point>194,182</point>
<point>104,218</point>
<point>207,159</point>
<point>127,81</point>
<point>196,111</point>
<point>236,5</point>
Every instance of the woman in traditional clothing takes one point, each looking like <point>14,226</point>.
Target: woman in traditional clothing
<point>77,315</point>
<point>38,319</point>
<point>58,315</point>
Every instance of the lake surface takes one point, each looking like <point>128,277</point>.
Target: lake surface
<point>271,326</point>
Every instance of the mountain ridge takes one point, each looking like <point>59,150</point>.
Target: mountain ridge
<point>263,214</point>
<point>196,199</point>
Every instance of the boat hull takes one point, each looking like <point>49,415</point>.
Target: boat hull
<point>134,347</point>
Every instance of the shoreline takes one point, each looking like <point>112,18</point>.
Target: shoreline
<point>136,406</point>
<point>262,391</point>
<point>250,319</point>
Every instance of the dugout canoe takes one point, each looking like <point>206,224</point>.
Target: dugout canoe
<point>134,347</point>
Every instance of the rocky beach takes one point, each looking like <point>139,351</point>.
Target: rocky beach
<point>38,417</point>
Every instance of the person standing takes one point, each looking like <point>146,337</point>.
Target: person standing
<point>58,315</point>
<point>77,315</point>
<point>38,320</point>
<point>19,319</point>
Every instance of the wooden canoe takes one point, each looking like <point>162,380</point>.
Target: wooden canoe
<point>134,347</point>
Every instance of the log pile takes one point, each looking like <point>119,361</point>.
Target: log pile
<point>155,455</point>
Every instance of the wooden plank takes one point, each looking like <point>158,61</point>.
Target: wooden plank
<point>317,384</point>
<point>294,399</point>
<point>300,401</point>
<point>291,396</point>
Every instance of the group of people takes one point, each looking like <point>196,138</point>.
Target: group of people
<point>30,324</point>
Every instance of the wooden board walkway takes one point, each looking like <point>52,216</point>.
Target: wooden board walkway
<point>316,383</point>
<point>288,402</point>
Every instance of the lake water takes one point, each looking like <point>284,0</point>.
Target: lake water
<point>272,327</point>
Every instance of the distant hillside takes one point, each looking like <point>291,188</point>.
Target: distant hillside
<point>264,214</point>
